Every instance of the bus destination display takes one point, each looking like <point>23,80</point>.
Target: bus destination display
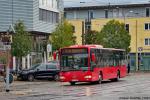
<point>66,51</point>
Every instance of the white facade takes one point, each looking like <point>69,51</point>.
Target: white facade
<point>49,5</point>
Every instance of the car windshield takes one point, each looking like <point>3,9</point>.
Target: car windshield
<point>34,66</point>
<point>74,62</point>
<point>51,66</point>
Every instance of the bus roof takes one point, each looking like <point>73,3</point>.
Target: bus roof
<point>90,46</point>
<point>114,49</point>
<point>93,46</point>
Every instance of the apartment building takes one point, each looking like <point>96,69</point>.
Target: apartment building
<point>136,16</point>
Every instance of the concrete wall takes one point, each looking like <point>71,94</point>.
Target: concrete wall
<point>22,10</point>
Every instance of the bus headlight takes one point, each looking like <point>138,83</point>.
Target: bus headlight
<point>62,77</point>
<point>89,76</point>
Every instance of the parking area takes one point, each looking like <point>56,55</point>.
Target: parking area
<point>135,86</point>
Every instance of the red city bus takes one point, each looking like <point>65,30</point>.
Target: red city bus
<point>91,63</point>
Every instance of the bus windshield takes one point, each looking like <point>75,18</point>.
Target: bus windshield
<point>74,62</point>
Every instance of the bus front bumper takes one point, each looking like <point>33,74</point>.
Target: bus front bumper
<point>87,78</point>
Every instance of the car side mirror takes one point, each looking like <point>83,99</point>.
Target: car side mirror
<point>93,58</point>
<point>37,69</point>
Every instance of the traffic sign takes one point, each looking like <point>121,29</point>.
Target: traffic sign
<point>49,48</point>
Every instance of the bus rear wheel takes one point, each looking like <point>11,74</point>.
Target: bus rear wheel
<point>117,78</point>
<point>72,83</point>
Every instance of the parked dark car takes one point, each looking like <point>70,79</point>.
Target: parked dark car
<point>38,71</point>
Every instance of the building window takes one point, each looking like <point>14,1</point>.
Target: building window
<point>147,41</point>
<point>40,14</point>
<point>43,2</point>
<point>65,14</point>
<point>147,12</point>
<point>52,3</point>
<point>106,13</point>
<point>57,18</point>
<point>91,14</point>
<point>127,27</point>
<point>54,16</point>
<point>48,16</point>
<point>147,26</point>
<point>49,4</point>
<point>51,19</point>
<point>44,15</point>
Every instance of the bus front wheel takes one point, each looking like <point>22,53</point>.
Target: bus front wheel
<point>72,83</point>
<point>100,79</point>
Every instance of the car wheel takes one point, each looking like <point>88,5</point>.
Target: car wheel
<point>56,77</point>
<point>30,77</point>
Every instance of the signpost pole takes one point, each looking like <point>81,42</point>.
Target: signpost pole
<point>7,71</point>
<point>49,51</point>
<point>140,49</point>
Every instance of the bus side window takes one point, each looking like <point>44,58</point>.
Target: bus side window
<point>114,59</point>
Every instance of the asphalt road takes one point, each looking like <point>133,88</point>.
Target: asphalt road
<point>136,86</point>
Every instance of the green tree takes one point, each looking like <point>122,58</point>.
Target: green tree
<point>63,36</point>
<point>114,35</point>
<point>21,41</point>
<point>90,37</point>
<point>3,59</point>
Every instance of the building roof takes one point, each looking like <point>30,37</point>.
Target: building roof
<point>103,4</point>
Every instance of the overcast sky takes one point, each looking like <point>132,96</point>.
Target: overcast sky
<point>78,2</point>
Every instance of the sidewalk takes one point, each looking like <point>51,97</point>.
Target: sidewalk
<point>139,72</point>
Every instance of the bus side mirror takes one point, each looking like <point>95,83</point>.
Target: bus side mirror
<point>54,55</point>
<point>93,57</point>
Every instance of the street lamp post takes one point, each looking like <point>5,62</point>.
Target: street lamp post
<point>136,32</point>
<point>136,45</point>
<point>124,19</point>
<point>137,67</point>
